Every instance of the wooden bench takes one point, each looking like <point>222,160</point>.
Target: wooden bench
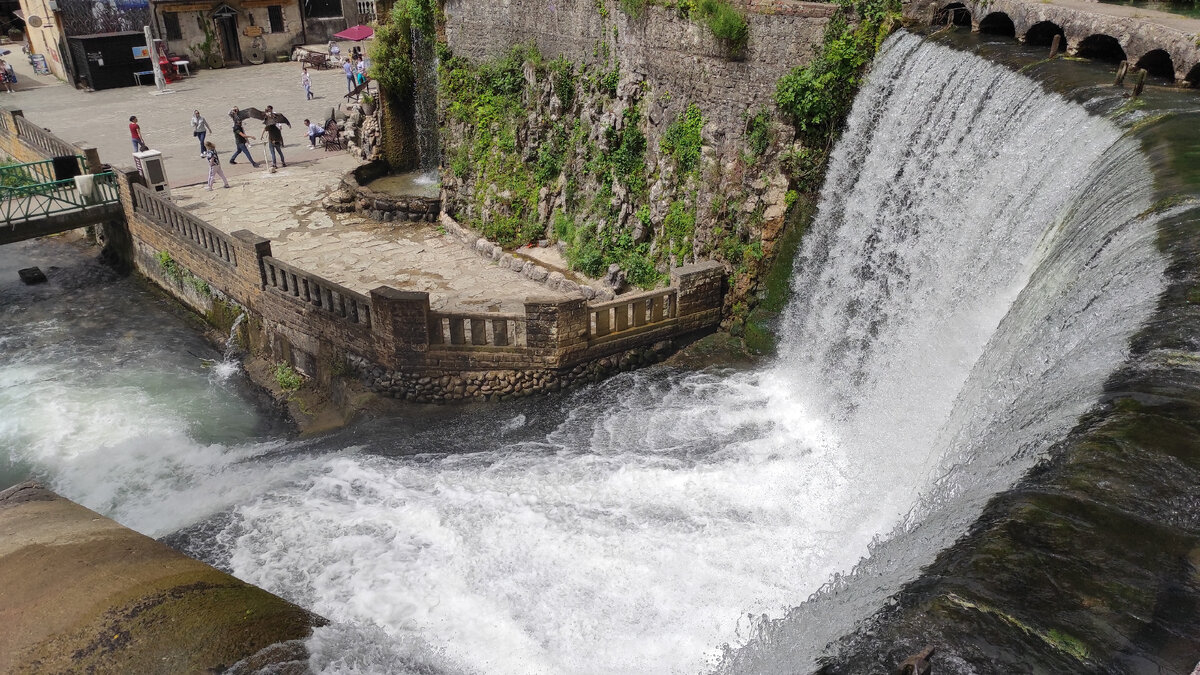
<point>359,90</point>
<point>318,60</point>
<point>333,139</point>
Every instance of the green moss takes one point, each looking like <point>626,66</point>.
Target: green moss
<point>634,8</point>
<point>679,229</point>
<point>682,140</point>
<point>758,132</point>
<point>725,22</point>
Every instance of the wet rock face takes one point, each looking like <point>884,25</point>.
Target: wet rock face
<point>81,593</point>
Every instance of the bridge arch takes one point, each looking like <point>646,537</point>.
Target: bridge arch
<point>955,13</point>
<point>1041,34</point>
<point>1192,79</point>
<point>998,23</point>
<point>1101,48</point>
<point>1157,62</point>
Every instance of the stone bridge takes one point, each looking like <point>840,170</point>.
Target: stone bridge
<point>1165,45</point>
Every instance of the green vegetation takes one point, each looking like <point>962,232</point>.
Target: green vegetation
<point>725,22</point>
<point>818,96</point>
<point>634,8</point>
<point>180,275</point>
<point>679,229</point>
<point>15,175</point>
<point>287,378</point>
<point>758,131</point>
<point>391,52</point>
<point>682,140</point>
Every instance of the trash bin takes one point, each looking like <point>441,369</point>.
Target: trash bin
<point>85,184</point>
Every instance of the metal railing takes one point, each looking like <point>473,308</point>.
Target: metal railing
<point>29,202</point>
<point>31,173</point>
<point>43,140</point>
<point>183,224</point>
<point>478,329</point>
<point>316,292</point>
<point>630,314</point>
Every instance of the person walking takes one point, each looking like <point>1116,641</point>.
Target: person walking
<point>315,131</point>
<point>242,142</point>
<point>4,77</point>
<point>200,129</point>
<point>214,165</point>
<point>306,82</point>
<point>361,70</point>
<point>348,69</point>
<point>135,131</point>
<point>274,139</point>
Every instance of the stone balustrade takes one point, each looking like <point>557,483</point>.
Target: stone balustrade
<point>400,346</point>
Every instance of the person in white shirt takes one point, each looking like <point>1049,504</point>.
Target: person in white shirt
<point>200,129</point>
<point>315,131</point>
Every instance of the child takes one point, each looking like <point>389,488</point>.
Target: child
<point>214,165</point>
<point>306,81</point>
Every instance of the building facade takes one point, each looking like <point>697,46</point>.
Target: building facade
<point>229,32</point>
<point>48,24</point>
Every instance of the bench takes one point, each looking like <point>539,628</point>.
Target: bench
<point>333,139</point>
<point>137,76</point>
<point>318,60</point>
<point>359,90</point>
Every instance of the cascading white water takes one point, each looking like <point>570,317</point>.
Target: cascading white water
<point>959,302</point>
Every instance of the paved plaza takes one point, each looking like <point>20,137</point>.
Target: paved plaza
<point>284,206</point>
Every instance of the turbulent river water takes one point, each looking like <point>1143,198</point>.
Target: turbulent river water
<point>958,304</point>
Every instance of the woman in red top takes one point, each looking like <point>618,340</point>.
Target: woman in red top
<point>135,132</point>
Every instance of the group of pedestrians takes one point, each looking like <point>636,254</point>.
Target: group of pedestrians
<point>355,68</point>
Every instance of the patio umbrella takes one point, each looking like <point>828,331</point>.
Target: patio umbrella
<point>355,33</point>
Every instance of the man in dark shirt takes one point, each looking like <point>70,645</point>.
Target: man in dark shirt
<point>239,141</point>
<point>274,137</point>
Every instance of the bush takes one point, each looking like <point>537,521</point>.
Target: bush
<point>758,132</point>
<point>725,22</point>
<point>682,140</point>
<point>818,96</point>
<point>287,378</point>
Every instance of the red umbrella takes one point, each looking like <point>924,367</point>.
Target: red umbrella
<point>355,33</point>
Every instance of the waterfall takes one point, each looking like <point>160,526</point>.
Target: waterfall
<point>981,256</point>
<point>977,266</point>
<point>425,103</point>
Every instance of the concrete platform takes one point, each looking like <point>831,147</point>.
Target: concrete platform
<point>81,593</point>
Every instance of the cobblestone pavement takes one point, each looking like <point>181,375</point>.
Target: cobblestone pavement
<point>284,206</point>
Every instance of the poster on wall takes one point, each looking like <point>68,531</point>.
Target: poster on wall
<point>141,52</point>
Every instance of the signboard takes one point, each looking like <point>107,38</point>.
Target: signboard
<point>253,31</point>
<point>141,52</point>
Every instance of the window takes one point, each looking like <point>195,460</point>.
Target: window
<point>171,24</point>
<point>323,9</point>
<point>366,11</point>
<point>275,17</point>
<point>200,22</point>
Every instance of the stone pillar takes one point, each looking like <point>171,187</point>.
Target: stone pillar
<point>400,326</point>
<point>700,287</point>
<point>91,157</point>
<point>556,328</point>
<point>248,253</point>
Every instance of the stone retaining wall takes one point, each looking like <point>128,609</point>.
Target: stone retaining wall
<point>402,347</point>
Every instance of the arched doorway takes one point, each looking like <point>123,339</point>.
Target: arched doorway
<point>1193,76</point>
<point>225,19</point>
<point>998,23</point>
<point>1101,48</point>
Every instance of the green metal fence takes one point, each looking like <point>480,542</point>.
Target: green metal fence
<point>28,202</point>
<point>32,173</point>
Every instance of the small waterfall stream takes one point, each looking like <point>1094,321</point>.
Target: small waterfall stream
<point>425,109</point>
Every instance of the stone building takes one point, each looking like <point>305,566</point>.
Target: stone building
<point>48,24</point>
<point>233,32</point>
<point>252,31</point>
